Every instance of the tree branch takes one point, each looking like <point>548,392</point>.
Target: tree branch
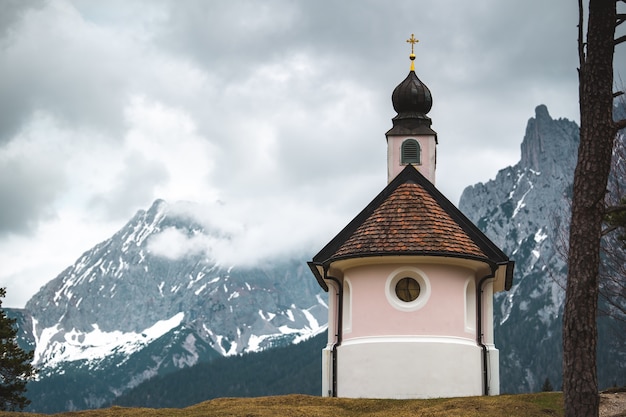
<point>621,18</point>
<point>581,45</point>
<point>608,230</point>
<point>620,124</point>
<point>615,209</point>
<point>619,40</point>
<point>617,94</point>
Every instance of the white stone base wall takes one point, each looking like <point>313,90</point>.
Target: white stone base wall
<point>493,369</point>
<point>411,367</point>
<point>327,371</point>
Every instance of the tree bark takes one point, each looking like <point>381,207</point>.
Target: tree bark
<point>597,133</point>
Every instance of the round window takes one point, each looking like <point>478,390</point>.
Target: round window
<point>407,289</point>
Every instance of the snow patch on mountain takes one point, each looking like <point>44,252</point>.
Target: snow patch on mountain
<point>55,346</point>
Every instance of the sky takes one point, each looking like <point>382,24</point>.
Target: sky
<point>264,119</point>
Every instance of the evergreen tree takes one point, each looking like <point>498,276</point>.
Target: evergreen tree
<point>547,386</point>
<point>15,365</point>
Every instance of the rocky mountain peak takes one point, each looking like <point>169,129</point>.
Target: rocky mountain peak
<point>546,140</point>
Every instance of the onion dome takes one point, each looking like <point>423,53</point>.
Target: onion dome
<point>412,101</point>
<point>411,98</point>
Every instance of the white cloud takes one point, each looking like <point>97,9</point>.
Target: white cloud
<point>168,136</point>
<point>174,244</point>
<point>248,232</point>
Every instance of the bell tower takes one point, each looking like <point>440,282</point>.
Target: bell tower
<point>411,141</point>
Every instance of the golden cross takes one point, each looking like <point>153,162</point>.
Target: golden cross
<point>412,41</point>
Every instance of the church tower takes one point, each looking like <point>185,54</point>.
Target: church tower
<point>411,280</point>
<point>411,140</point>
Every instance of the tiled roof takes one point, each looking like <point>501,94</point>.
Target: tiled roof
<point>410,217</point>
<point>409,221</point>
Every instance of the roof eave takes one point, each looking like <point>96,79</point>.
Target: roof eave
<point>317,270</point>
<point>504,276</point>
<point>434,254</point>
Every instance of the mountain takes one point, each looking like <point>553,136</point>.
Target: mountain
<point>124,313</point>
<point>525,210</point>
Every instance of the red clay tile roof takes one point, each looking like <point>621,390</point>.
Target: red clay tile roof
<point>409,220</point>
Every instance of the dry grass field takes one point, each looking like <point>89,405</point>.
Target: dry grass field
<point>527,405</point>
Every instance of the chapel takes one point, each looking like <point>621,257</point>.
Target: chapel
<point>411,279</point>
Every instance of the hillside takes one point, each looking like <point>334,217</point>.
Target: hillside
<point>612,404</point>
<point>527,405</point>
<point>292,369</point>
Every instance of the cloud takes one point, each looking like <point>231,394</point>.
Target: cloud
<point>30,183</point>
<point>46,66</point>
<point>13,11</point>
<point>174,244</point>
<point>168,136</point>
<point>132,187</point>
<point>247,233</point>
<point>28,186</point>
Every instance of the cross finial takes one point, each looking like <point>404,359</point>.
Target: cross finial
<point>412,41</point>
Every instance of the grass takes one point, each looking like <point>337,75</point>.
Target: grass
<point>526,405</point>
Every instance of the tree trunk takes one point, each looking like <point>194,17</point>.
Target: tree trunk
<point>597,133</point>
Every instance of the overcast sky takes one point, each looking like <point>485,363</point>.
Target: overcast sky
<point>270,114</point>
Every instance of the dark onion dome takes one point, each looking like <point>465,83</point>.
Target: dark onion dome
<point>412,101</point>
<point>411,98</point>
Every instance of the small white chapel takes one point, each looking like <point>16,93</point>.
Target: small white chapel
<point>411,280</point>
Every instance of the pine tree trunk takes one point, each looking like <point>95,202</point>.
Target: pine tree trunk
<point>597,133</point>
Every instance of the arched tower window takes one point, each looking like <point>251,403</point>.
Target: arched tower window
<point>411,152</point>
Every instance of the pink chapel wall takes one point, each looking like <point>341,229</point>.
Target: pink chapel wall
<point>368,310</point>
<point>428,152</point>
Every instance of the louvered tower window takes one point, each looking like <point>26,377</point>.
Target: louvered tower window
<point>411,152</point>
